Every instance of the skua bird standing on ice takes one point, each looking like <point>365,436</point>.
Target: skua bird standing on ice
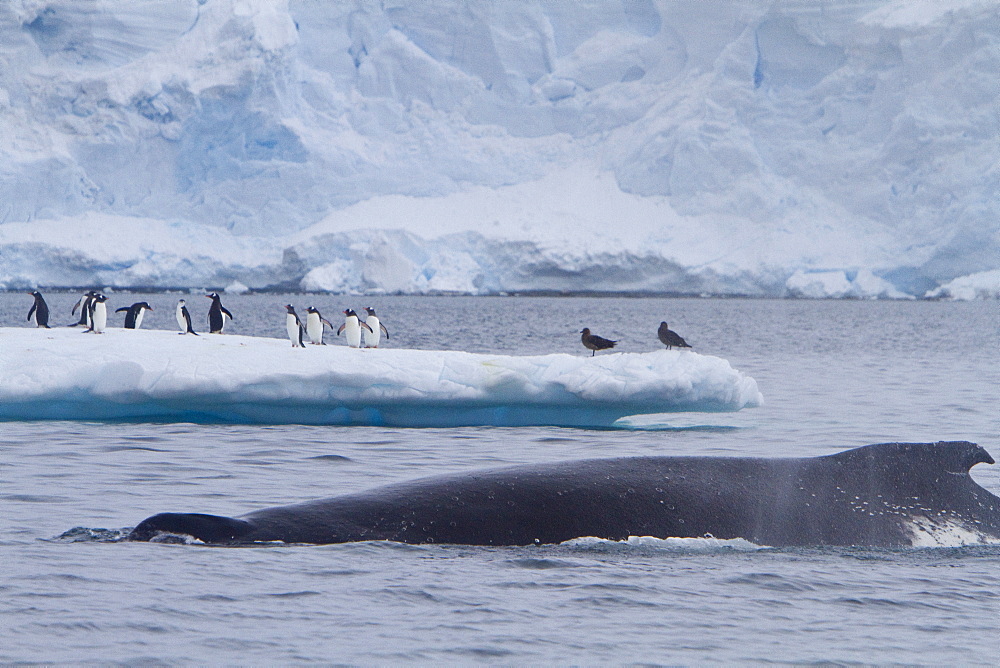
<point>594,342</point>
<point>670,338</point>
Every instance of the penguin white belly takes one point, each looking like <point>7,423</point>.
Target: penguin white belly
<point>372,337</point>
<point>100,317</point>
<point>292,327</point>
<point>314,328</point>
<point>138,318</point>
<point>352,332</point>
<point>181,322</point>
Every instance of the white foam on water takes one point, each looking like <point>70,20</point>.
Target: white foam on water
<point>702,544</point>
<point>946,532</point>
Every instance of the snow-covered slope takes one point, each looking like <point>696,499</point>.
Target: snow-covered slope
<point>764,148</point>
<point>158,375</point>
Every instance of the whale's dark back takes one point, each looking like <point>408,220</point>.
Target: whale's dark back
<point>866,496</point>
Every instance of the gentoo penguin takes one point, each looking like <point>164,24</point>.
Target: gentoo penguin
<point>40,310</point>
<point>314,325</point>
<point>134,313</point>
<point>84,305</point>
<point>595,342</point>
<point>375,327</point>
<point>98,314</point>
<point>294,327</point>
<point>215,312</point>
<point>184,318</point>
<point>353,326</point>
<point>670,338</point>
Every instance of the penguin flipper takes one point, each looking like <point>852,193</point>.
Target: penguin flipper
<point>328,323</point>
<point>384,331</point>
<point>123,308</point>
<point>340,329</point>
<point>366,326</point>
<point>30,312</point>
<point>226,311</point>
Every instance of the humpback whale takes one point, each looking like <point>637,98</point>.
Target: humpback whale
<point>890,494</point>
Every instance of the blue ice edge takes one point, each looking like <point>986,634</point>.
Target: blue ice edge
<point>158,376</point>
<point>423,416</point>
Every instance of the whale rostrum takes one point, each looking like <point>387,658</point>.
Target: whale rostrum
<point>890,494</point>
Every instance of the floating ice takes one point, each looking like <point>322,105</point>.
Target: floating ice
<point>161,375</point>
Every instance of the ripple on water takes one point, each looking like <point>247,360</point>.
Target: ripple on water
<point>290,594</point>
<point>773,582</point>
<point>126,448</point>
<point>541,564</point>
<point>33,498</point>
<point>331,458</point>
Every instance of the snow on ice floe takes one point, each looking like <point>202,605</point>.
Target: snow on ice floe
<point>161,375</point>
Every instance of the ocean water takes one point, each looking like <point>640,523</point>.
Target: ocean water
<point>834,374</point>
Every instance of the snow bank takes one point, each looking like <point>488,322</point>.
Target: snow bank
<point>160,375</point>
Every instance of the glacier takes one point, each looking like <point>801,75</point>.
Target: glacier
<point>761,148</point>
<point>158,375</point>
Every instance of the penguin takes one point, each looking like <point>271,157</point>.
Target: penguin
<point>184,318</point>
<point>375,327</point>
<point>670,338</point>
<point>40,310</point>
<point>353,327</point>
<point>134,313</point>
<point>215,312</point>
<point>294,327</point>
<point>98,314</point>
<point>84,305</point>
<point>594,342</point>
<point>314,325</point>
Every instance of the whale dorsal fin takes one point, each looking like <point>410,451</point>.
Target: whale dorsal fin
<point>950,456</point>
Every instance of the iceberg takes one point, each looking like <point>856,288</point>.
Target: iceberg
<point>159,375</point>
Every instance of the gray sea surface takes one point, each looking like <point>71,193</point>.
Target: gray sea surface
<point>834,374</point>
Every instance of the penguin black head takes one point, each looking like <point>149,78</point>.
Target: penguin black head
<point>349,312</point>
<point>312,309</point>
<point>34,293</point>
<point>143,305</point>
<point>100,298</point>
<point>369,310</point>
<point>213,295</point>
<point>181,302</point>
<point>290,309</point>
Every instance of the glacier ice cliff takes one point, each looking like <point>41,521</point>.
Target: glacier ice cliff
<point>144,375</point>
<point>835,149</point>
